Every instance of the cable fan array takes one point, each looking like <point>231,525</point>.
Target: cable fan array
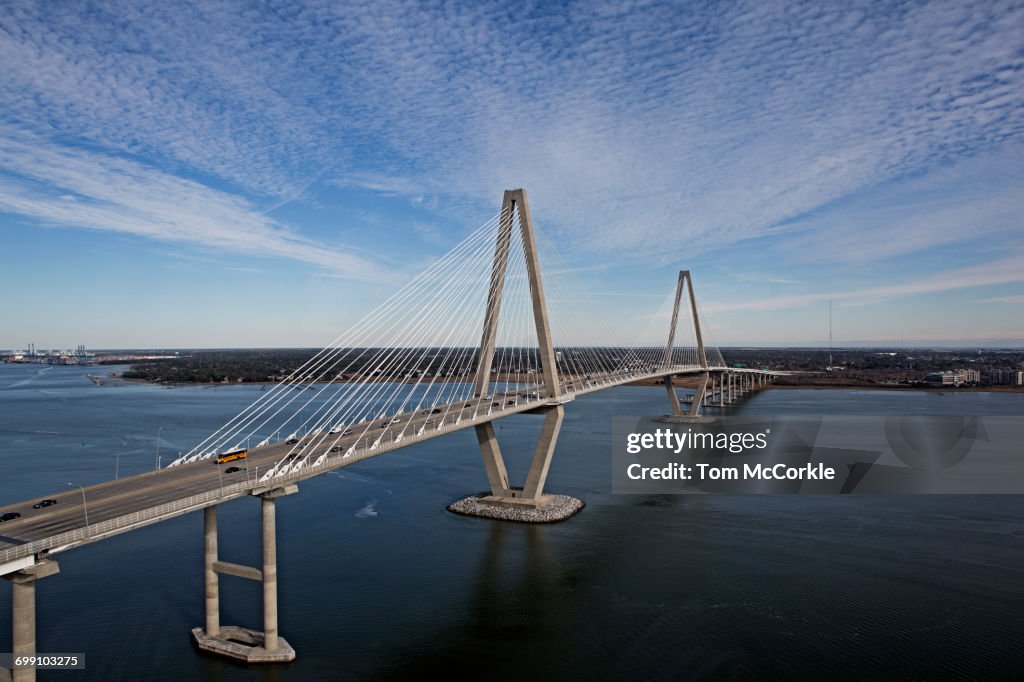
<point>410,368</point>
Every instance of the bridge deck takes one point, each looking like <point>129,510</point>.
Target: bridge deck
<point>134,501</point>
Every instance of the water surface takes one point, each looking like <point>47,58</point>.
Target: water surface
<point>377,580</point>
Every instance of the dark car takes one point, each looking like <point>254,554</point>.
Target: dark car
<point>495,404</point>
<point>436,410</point>
<point>231,470</point>
<point>511,402</point>
<point>348,432</point>
<point>336,448</point>
<point>9,516</point>
<point>293,441</point>
<point>44,503</point>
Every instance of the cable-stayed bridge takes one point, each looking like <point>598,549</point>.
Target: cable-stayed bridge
<point>485,332</point>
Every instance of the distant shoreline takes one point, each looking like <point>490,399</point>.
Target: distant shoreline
<point>691,382</point>
<point>685,382</point>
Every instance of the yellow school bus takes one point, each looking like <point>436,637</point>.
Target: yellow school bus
<point>231,455</point>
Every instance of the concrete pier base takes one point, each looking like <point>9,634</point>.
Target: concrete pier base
<point>243,644</point>
<point>685,419</point>
<point>546,509</point>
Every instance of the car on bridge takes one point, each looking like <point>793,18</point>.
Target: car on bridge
<point>292,441</point>
<point>9,516</point>
<point>44,503</point>
<point>232,470</point>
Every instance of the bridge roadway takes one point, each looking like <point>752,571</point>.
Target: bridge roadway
<point>134,501</point>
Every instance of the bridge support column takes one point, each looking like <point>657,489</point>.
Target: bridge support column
<point>23,610</point>
<point>528,503</point>
<point>497,476</point>
<point>698,396</point>
<point>269,514</point>
<point>532,493</point>
<point>209,571</point>
<point>673,399</point>
<point>537,476</point>
<point>250,646</point>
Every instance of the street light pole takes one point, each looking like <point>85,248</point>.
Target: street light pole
<point>85,507</point>
<point>158,447</point>
<point>117,460</point>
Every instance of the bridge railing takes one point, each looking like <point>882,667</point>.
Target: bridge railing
<point>96,531</point>
<point>102,529</point>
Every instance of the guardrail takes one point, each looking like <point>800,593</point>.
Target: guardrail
<point>97,531</point>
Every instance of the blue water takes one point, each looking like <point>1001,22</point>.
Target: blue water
<point>377,580</point>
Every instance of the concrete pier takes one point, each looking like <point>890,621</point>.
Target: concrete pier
<point>23,609</point>
<point>270,639</point>
<point>210,574</point>
<point>243,644</point>
<point>553,508</point>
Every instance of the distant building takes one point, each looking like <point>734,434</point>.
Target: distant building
<point>942,379</point>
<point>1007,377</point>
<point>969,376</point>
<point>957,377</point>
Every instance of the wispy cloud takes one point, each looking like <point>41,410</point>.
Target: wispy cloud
<point>1003,271</point>
<point>758,277</point>
<point>66,187</point>
<point>1005,299</point>
<point>628,121</point>
<point>378,182</point>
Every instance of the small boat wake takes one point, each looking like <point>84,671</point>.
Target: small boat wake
<point>369,510</point>
<point>28,380</point>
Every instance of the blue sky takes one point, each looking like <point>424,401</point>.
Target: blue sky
<point>241,174</point>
